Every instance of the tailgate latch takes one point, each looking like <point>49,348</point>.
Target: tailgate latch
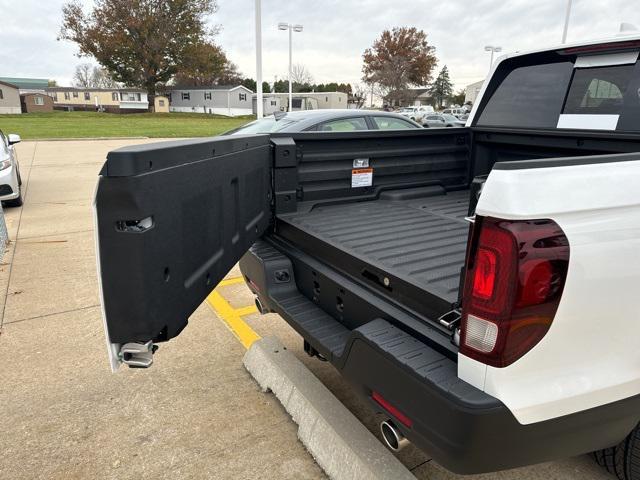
<point>137,355</point>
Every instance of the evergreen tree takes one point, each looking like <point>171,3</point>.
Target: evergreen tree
<point>441,88</point>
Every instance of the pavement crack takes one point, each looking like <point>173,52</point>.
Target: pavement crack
<point>419,465</point>
<point>88,307</point>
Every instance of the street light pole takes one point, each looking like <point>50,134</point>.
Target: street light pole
<point>259,104</point>
<point>492,49</point>
<point>290,67</point>
<point>292,28</point>
<point>566,22</point>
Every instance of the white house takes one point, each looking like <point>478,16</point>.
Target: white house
<point>214,99</point>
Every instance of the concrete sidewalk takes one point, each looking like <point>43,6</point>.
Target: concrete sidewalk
<point>196,414</point>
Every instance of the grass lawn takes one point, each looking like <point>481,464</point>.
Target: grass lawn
<point>92,124</point>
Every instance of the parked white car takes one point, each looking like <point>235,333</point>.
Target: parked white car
<point>416,114</point>
<point>10,181</point>
<point>456,112</point>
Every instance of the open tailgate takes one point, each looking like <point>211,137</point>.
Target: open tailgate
<point>172,218</point>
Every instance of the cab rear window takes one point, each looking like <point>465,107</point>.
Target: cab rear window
<point>598,90</point>
<point>551,92</point>
<point>529,96</point>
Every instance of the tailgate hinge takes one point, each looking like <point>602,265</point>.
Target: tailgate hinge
<point>137,355</point>
<point>451,319</point>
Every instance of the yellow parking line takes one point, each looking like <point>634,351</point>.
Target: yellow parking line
<point>242,311</point>
<point>231,281</point>
<point>233,317</point>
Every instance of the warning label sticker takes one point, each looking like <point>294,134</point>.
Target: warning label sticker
<point>361,177</point>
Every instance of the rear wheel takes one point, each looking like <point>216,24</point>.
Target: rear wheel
<point>623,460</point>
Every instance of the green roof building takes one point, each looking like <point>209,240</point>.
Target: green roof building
<point>27,85</point>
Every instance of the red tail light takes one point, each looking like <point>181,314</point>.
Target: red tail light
<point>515,276</point>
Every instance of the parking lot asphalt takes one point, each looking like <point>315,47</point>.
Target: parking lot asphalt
<point>196,413</point>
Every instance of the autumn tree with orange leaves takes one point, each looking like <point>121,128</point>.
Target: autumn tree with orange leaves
<point>146,43</point>
<point>399,59</point>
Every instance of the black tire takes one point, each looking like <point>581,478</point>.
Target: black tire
<point>623,460</point>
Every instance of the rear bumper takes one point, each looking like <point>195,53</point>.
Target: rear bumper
<point>461,427</point>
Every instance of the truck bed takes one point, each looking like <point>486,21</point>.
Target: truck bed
<point>420,241</point>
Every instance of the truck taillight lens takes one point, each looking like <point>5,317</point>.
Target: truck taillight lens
<point>516,272</point>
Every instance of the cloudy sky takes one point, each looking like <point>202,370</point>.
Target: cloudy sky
<point>336,32</point>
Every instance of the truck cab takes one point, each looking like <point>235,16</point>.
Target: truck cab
<point>468,282</point>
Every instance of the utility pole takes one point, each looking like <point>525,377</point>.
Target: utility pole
<point>292,28</point>
<point>566,22</point>
<point>290,68</point>
<point>259,103</point>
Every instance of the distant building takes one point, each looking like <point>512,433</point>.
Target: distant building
<point>270,104</point>
<point>414,97</point>
<point>113,100</point>
<point>471,92</point>
<point>9,98</point>
<point>313,100</point>
<point>27,85</point>
<point>36,102</point>
<point>219,100</point>
<point>161,104</point>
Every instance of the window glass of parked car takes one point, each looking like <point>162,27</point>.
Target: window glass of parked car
<point>4,146</point>
<point>391,123</point>
<point>344,125</point>
<point>265,125</point>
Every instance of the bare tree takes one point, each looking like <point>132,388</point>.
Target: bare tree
<point>359,96</point>
<point>300,74</point>
<point>83,76</point>
<point>91,76</point>
<point>102,79</point>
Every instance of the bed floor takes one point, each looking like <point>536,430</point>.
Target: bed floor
<point>422,241</point>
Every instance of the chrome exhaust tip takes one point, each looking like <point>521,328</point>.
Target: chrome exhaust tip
<point>394,439</point>
<point>260,307</point>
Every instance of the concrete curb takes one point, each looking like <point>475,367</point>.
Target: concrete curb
<point>339,443</point>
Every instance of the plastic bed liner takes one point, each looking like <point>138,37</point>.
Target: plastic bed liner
<point>420,241</point>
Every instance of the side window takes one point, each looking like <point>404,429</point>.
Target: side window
<point>242,97</point>
<point>598,90</point>
<point>66,96</point>
<point>528,96</point>
<point>207,95</point>
<point>390,123</point>
<point>114,96</point>
<point>75,94</point>
<point>186,96</point>
<point>87,96</point>
<point>344,125</point>
<point>1,94</point>
<point>38,100</point>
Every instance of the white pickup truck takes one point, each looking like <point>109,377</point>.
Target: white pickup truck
<point>476,285</point>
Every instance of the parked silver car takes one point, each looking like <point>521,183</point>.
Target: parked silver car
<point>10,181</point>
<point>441,120</point>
